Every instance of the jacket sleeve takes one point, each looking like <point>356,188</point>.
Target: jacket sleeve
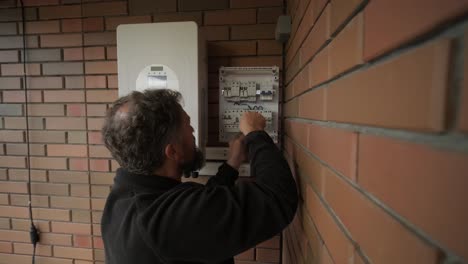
<point>226,175</point>
<point>212,223</point>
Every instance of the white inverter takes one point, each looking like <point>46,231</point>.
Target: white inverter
<point>166,56</point>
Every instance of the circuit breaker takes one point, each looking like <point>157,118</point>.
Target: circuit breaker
<point>248,89</point>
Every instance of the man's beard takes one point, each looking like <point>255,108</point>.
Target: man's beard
<point>195,164</point>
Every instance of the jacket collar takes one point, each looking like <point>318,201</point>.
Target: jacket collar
<point>144,181</point>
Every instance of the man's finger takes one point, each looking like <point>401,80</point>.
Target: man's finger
<point>238,135</point>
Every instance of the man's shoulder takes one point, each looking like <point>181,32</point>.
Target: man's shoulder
<point>151,197</point>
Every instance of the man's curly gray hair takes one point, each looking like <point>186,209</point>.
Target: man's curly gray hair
<point>139,126</point>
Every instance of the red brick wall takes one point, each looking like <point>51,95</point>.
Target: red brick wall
<point>72,79</point>
<point>376,130</point>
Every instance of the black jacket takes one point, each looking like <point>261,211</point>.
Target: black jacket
<point>152,219</point>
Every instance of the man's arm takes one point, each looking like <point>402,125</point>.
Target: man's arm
<point>228,172</point>
<point>209,224</point>
<point>226,175</point>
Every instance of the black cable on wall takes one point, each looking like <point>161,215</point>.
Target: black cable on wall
<point>34,232</point>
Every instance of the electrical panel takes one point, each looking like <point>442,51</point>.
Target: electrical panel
<point>245,89</point>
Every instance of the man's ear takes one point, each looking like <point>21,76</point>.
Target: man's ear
<point>171,152</point>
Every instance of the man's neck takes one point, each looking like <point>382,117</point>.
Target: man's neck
<point>169,171</point>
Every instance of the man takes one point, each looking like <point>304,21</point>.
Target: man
<point>151,217</point>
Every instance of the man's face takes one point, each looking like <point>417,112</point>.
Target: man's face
<point>193,157</point>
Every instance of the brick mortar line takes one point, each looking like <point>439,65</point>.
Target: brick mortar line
<point>315,228</point>
<point>453,30</point>
<point>322,47</point>
<point>281,94</point>
<point>296,52</point>
<point>292,230</point>
<point>329,209</point>
<point>293,34</point>
<point>356,160</point>
<point>412,228</point>
<point>42,156</point>
<point>292,7</point>
<point>358,9</point>
<point>448,141</point>
<point>289,244</point>
<point>351,16</point>
<point>456,77</point>
<point>284,245</point>
<point>357,247</point>
<point>44,130</point>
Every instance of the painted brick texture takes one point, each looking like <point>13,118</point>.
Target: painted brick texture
<point>375,117</point>
<point>72,78</point>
